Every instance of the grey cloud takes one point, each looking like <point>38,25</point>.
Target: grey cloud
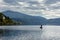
<point>51,1</point>
<point>15,2</point>
<point>3,8</point>
<point>30,2</point>
<point>33,2</point>
<point>33,8</point>
<point>56,7</point>
<point>11,2</point>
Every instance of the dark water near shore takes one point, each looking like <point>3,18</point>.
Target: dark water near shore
<point>47,33</point>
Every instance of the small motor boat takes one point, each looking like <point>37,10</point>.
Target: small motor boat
<point>41,27</point>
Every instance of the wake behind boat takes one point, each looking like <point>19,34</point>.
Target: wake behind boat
<point>24,27</point>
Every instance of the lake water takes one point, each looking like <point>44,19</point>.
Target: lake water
<point>31,33</point>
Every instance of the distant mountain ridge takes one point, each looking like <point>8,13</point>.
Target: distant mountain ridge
<point>55,21</point>
<point>31,20</point>
<point>27,19</point>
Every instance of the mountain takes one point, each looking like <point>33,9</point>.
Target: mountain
<point>4,20</point>
<point>55,21</point>
<point>30,20</point>
<point>26,19</point>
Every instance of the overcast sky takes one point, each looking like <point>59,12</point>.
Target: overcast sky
<point>45,8</point>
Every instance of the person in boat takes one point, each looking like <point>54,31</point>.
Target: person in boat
<point>41,27</point>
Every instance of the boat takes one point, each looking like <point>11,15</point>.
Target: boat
<point>41,27</point>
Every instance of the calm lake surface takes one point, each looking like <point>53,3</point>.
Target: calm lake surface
<point>31,33</point>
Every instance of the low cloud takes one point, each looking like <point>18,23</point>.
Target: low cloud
<point>45,8</point>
